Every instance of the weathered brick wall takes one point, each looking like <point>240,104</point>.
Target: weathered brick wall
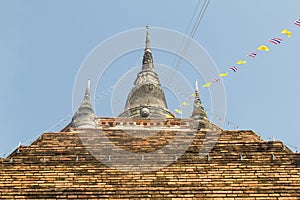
<point>240,166</point>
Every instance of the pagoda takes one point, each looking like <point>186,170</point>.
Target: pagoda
<point>148,153</point>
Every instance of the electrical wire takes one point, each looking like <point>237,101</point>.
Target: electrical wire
<point>187,39</point>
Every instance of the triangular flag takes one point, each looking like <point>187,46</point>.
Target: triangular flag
<point>185,103</point>
<point>297,22</point>
<point>233,68</point>
<point>275,41</point>
<point>253,54</point>
<point>215,80</point>
<point>206,84</point>
<point>263,48</point>
<point>193,95</point>
<point>286,32</point>
<point>223,75</point>
<point>170,116</point>
<point>178,111</point>
<point>241,62</point>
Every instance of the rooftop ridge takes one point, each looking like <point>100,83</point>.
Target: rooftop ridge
<point>226,138</point>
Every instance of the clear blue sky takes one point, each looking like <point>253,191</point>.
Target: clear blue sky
<point>43,43</point>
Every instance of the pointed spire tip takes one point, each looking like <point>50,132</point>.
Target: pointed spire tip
<point>87,92</point>
<point>197,88</point>
<point>147,37</point>
<point>197,95</point>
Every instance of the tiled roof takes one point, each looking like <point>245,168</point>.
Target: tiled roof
<point>239,166</point>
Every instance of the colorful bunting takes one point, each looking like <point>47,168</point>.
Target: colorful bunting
<point>263,48</point>
<point>286,32</point>
<point>275,40</point>
<point>241,62</point>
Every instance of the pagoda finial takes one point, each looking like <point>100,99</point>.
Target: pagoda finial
<point>197,94</point>
<point>198,111</point>
<point>147,58</point>
<point>85,116</point>
<point>148,37</point>
<point>88,89</point>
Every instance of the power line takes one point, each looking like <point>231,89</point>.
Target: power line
<point>186,31</point>
<point>187,39</point>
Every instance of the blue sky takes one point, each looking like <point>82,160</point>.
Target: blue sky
<point>43,44</point>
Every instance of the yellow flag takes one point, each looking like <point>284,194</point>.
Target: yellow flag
<point>286,32</point>
<point>193,95</point>
<point>178,111</point>
<point>263,48</point>
<point>223,75</point>
<point>206,84</point>
<point>170,116</point>
<point>185,103</point>
<point>241,62</point>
